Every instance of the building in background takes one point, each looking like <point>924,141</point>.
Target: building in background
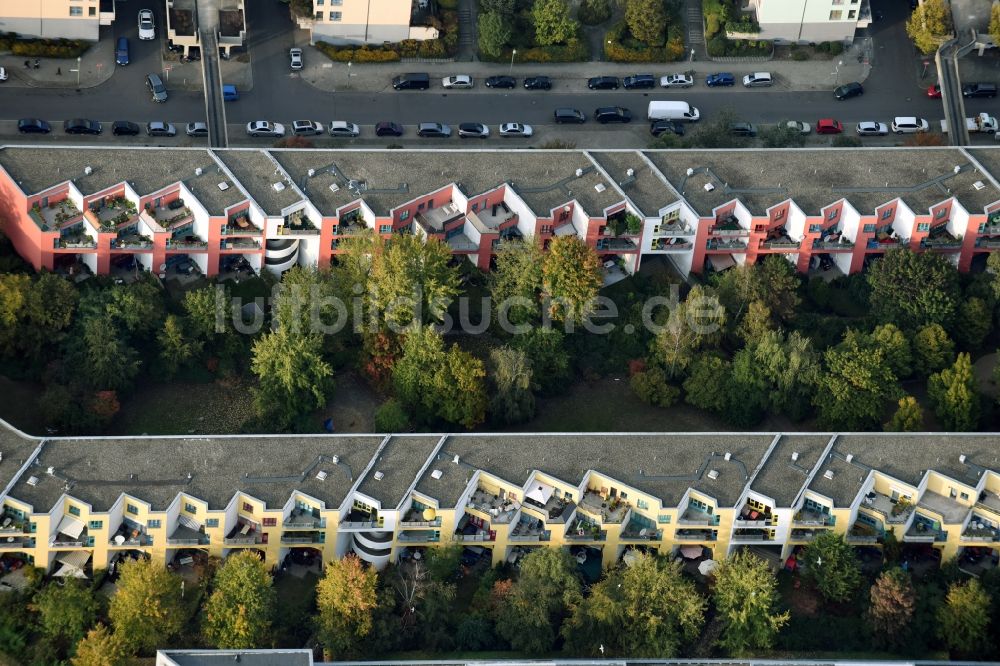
<point>54,19</point>
<point>804,21</point>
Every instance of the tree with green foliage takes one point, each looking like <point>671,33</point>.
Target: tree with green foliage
<point>930,25</point>
<point>545,349</point>
<point>412,281</point>
<point>662,610</point>
<point>443,562</point>
<point>105,360</point>
<point>933,350</point>
<point>913,289</point>
<point>66,611</point>
<point>346,599</point>
<point>303,302</point>
<point>571,278</point>
<point>773,283</point>
<point>898,353</point>
<point>205,312</point>
<point>963,620</point>
<point>147,610</point>
<point>954,395</point>
<point>746,600</point>
<point>855,384</point>
<point>14,290</point>
<point>893,602</point>
<point>782,135</point>
<point>908,417</point>
<point>791,367</point>
<point>832,566</point>
<point>973,322</point>
<point>136,307</point>
<point>516,283</point>
<point>707,386</point>
<point>531,615</point>
<point>391,417</point>
<point>100,647</point>
<point>176,347</point>
<point>552,22</point>
<point>293,378</point>
<point>503,7</point>
<point>647,21</point>
<point>651,386</point>
<point>240,610</point>
<point>594,12</point>
<point>756,323</point>
<point>511,400</point>
<point>692,326</point>
<point>994,28</point>
<point>494,32</point>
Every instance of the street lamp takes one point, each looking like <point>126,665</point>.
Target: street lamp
<point>78,60</point>
<point>839,64</point>
<point>348,75</point>
<point>512,54</point>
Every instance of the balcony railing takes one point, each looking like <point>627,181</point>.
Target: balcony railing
<point>833,245</point>
<point>359,524</point>
<point>725,244</point>
<point>240,244</point>
<point>242,540</point>
<point>694,535</point>
<point>67,544</point>
<point>421,523</point>
<point>861,538</point>
<point>474,537</point>
<point>419,536</point>
<point>76,243</point>
<point>988,243</point>
<point>780,245</point>
<point>300,539</point>
<point>187,542</point>
<point>586,536</point>
<point>186,244</point>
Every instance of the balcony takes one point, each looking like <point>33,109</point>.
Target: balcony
<point>361,520</point>
<point>924,530</point>
<point>434,220</point>
<point>611,510</point>
<point>240,224</point>
<point>862,533</point>
<point>671,244</point>
<point>941,240</point>
<point>807,518</point>
<point>582,529</point>
<point>419,535</point>
<point>725,244</point>
<point>988,243</point>
<point>187,242</point>
<point>175,214</point>
<point>728,226</point>
<point>751,535</point>
<point>298,224</point>
<point>415,518</point>
<point>696,516</point>
<point>556,509</point>
<point>981,529</point>
<point>131,241</point>
<point>58,215</point>
<point>303,519</point>
<point>990,501</point>
<point>112,214</point>
<point>298,538</point>
<point>827,243</point>
<point>641,529</point>
<point>781,243</point>
<point>130,535</point>
<point>461,243</point>
<point>185,536</point>
<point>804,535</point>
<point>500,510</point>
<point>11,524</point>
<point>17,542</point>
<point>751,517</point>
<point>529,529</point>
<point>351,224</point>
<point>696,535</point>
<point>895,512</point>
<point>76,240</point>
<point>496,216</point>
<point>616,245</point>
<point>239,244</point>
<point>671,225</point>
<point>475,538</point>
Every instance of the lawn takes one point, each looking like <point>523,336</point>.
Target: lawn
<point>182,408</point>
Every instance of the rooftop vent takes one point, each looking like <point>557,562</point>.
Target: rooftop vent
<point>50,470</point>
<point>979,185</point>
<point>198,171</point>
<point>961,458</point>
<point>713,474</point>
<point>321,475</point>
<point>336,460</point>
<point>436,474</point>
<point>223,186</point>
<point>311,173</point>
<point>88,170</point>
<point>709,187</point>
<point>728,456</point>
<point>828,475</point>
<point>795,456</point>
<point>849,457</point>
<point>600,187</point>
<point>957,169</point>
<point>630,172</point>
<point>32,480</point>
<point>379,476</point>
<point>456,459</point>
<point>579,173</point>
<point>334,187</point>
<point>278,187</point>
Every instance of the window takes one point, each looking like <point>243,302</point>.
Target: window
<point>76,11</point>
<point>964,496</point>
<point>385,228</point>
<point>869,228</point>
<point>319,3</point>
<point>91,11</point>
<point>663,519</point>
<point>623,495</point>
<point>132,508</point>
<point>32,527</point>
<point>430,204</point>
<point>336,3</point>
<point>887,213</point>
<point>335,16</point>
<point>319,16</point>
<point>248,507</point>
<point>95,525</point>
<point>475,207</point>
<point>941,213</point>
<point>815,228</point>
<point>833,214</point>
<point>780,214</point>
<point>982,228</point>
<point>836,15</point>
<point>853,14</point>
<point>270,522</point>
<point>212,522</point>
<point>546,229</point>
<point>923,226</point>
<point>642,504</point>
<point>190,508</point>
<point>405,215</point>
<point>74,510</point>
<point>153,524</point>
<point>90,541</point>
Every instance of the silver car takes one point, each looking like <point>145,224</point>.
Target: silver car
<point>306,128</point>
<point>196,129</point>
<point>676,81</point>
<point>147,28</point>
<point>295,56</point>
<point>265,128</point>
<point>872,128</point>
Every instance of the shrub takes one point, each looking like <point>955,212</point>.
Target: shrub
<point>391,417</point>
<point>49,48</point>
<point>846,142</point>
<point>823,47</point>
<point>836,48</point>
<point>800,55</point>
<point>447,4</point>
<point>717,46</point>
<point>711,25</point>
<point>651,387</point>
<point>592,12</point>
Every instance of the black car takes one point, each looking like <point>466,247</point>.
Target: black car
<point>473,131</point>
<point>603,83</point>
<point>658,127</point>
<point>979,90</point>
<point>849,90</point>
<point>82,126</point>
<point>501,82</point>
<point>387,128</point>
<point>612,114</point>
<point>124,128</point>
<point>568,115</point>
<point>434,130</point>
<point>33,126</point>
<point>743,129</point>
<point>639,81</point>
<point>537,83</point>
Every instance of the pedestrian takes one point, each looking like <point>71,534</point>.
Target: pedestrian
<point>27,64</point>
<point>58,71</point>
<point>37,63</point>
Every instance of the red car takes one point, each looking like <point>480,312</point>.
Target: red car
<point>934,91</point>
<point>828,126</point>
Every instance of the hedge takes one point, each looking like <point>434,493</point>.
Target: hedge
<point>573,51</point>
<point>616,51</point>
<point>594,12</point>
<point>44,48</point>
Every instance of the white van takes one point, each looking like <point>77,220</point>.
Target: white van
<point>672,111</point>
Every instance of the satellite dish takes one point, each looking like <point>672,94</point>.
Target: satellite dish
<point>163,267</point>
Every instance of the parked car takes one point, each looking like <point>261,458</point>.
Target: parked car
<point>33,126</point>
<point>872,128</point>
<point>934,91</point>
<point>603,83</point>
<point>799,126</point>
<point>82,126</point>
<point>658,127</point>
<point>306,128</point>
<point>720,79</point>
<point>121,51</point>
<point>979,90</point>
<point>758,80</point>
<point>515,130</point>
<point>156,87</point>
<point>829,126</point>
<point>160,128</point>
<point>3,73</point>
<point>265,128</point>
<point>639,82</point>
<point>196,129</point>
<point>568,115</point>
<point>849,90</point>
<point>612,114</point>
<point>147,26</point>
<point>473,131</point>
<point>434,130</point>
<point>501,82</point>
<point>537,83</point>
<point>459,81</point>
<point>295,58</point>
<point>125,128</point>
<point>909,125</point>
<point>743,129</point>
<point>412,81</point>
<point>387,128</point>
<point>342,128</point>
<point>676,81</point>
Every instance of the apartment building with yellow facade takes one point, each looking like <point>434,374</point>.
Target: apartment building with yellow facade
<point>52,19</point>
<point>367,21</point>
<point>73,506</point>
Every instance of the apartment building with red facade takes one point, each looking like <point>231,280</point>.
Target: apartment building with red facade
<point>94,209</point>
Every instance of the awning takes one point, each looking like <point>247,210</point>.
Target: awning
<point>721,262</point>
<point>71,527</point>
<point>67,571</point>
<point>630,557</point>
<point>691,552</point>
<point>706,567</point>
<point>568,229</point>
<point>540,493</point>
<point>75,558</point>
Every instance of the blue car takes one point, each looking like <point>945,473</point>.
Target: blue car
<point>720,79</point>
<point>121,51</point>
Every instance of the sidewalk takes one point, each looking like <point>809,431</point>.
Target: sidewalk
<point>329,76</point>
<point>96,67</point>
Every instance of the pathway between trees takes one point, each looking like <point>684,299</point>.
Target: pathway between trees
<point>695,29</point>
<point>468,17</point>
